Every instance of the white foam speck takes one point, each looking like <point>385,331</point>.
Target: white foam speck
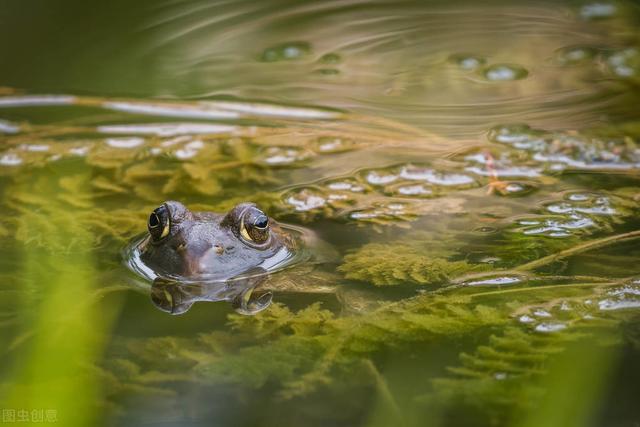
<point>10,160</point>
<point>541,313</point>
<point>526,319</point>
<point>124,142</point>
<point>550,327</point>
<point>307,203</point>
<point>35,147</point>
<point>377,179</point>
<point>414,190</point>
<point>79,151</point>
<point>6,127</point>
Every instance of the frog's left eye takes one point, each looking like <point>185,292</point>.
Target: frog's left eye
<point>159,223</point>
<point>254,226</point>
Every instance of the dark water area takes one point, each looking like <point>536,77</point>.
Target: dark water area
<point>462,178</point>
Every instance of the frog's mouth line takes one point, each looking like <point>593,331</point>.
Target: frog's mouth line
<point>281,260</point>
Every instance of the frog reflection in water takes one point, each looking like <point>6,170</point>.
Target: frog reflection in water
<point>204,256</point>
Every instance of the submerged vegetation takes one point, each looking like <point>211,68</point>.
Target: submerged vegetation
<point>510,282</point>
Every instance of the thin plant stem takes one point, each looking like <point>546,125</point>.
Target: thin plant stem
<point>584,247</point>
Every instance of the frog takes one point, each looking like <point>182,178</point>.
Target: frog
<point>206,246</point>
<point>193,256</point>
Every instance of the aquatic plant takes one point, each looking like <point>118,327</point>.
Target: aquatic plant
<point>402,264</point>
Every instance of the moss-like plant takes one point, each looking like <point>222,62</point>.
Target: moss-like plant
<point>398,264</point>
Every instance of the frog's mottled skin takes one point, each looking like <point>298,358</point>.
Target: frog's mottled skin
<point>210,246</point>
<point>204,256</point>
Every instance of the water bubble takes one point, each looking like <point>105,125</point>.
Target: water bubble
<point>382,212</point>
<point>330,145</point>
<point>590,205</point>
<point>550,327</point>
<point>278,156</point>
<point>124,142</point>
<point>184,154</point>
<point>541,313</point>
<point>286,52</point>
<point>500,376</point>
<point>412,190</point>
<point>343,191</point>
<point>35,147</point>
<point>337,197</point>
<point>609,304</point>
<point>626,290</point>
<point>519,136</point>
<point>79,151</point>
<point>578,197</point>
<point>526,319</point>
<point>575,55</point>
<point>623,298</point>
<point>504,171</point>
<point>189,150</point>
<point>306,199</point>
<point>467,62</point>
<point>418,173</point>
<point>517,188</point>
<point>397,207</point>
<point>505,72</point>
<point>585,153</point>
<point>365,214</point>
<point>500,165</point>
<point>10,159</point>
<point>625,62</point>
<point>380,177</point>
<point>557,227</point>
<point>346,185</point>
<point>598,10</point>
<point>7,127</point>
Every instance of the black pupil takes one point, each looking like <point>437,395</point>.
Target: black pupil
<point>261,222</point>
<point>154,221</point>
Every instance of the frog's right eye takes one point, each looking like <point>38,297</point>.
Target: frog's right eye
<point>159,223</point>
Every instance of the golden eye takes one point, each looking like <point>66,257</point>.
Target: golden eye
<point>254,226</point>
<point>244,232</point>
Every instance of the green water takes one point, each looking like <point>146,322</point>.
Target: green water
<point>474,169</point>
